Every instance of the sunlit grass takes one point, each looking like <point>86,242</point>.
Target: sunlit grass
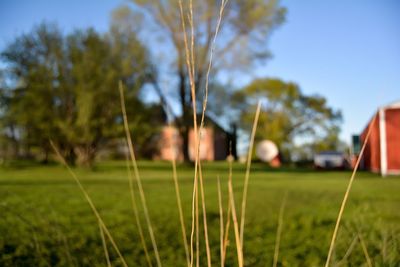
<point>45,200</point>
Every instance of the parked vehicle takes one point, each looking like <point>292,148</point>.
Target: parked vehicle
<point>330,160</point>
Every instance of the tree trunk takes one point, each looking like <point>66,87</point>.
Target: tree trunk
<point>85,155</point>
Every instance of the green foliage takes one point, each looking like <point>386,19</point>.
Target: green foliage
<point>46,221</point>
<point>64,88</point>
<point>288,114</point>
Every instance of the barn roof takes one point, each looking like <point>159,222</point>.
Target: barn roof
<point>393,105</point>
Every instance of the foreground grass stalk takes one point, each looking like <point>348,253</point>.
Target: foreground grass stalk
<point>91,204</point>
<point>364,248</point>
<point>228,217</point>
<point>136,214</point>
<point>136,172</point>
<point>221,222</point>
<point>346,195</point>
<point>279,230</point>
<point>190,62</point>
<point>203,205</point>
<point>226,234</point>
<point>246,179</point>
<point>235,225</point>
<point>190,67</point>
<point>197,228</point>
<point>348,251</point>
<point>208,252</point>
<point>181,218</point>
<point>103,240</point>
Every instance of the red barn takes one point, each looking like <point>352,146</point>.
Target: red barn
<point>382,152</point>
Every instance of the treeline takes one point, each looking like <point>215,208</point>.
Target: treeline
<point>64,88</point>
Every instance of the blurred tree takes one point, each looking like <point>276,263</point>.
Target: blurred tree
<point>242,40</point>
<point>32,62</point>
<point>65,89</point>
<point>288,114</point>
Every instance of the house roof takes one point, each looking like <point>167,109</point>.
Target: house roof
<point>209,122</point>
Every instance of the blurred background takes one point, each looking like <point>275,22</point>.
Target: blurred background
<point>320,69</point>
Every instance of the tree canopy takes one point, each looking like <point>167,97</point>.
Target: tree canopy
<point>242,41</point>
<point>65,88</point>
<point>288,114</point>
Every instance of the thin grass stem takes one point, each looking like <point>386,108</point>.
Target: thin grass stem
<point>208,252</point>
<point>103,240</point>
<point>346,195</point>
<point>228,218</point>
<point>235,225</point>
<point>179,203</point>
<point>247,176</point>
<point>348,251</point>
<point>136,214</point>
<point>279,230</point>
<point>221,222</point>
<point>137,176</point>
<point>89,200</point>
<point>364,248</point>
<point>190,66</point>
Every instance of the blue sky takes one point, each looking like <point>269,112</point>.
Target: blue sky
<point>347,51</point>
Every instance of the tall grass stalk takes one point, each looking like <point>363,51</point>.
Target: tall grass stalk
<point>197,228</point>
<point>279,230</point>
<point>235,225</point>
<point>190,66</point>
<point>103,240</point>
<point>226,234</point>
<point>221,222</point>
<point>137,176</point>
<point>246,179</point>
<point>91,204</point>
<point>348,251</point>
<point>346,195</point>
<point>179,203</point>
<point>136,214</point>
<point>364,248</point>
<point>228,217</point>
<point>190,62</point>
<point>205,99</point>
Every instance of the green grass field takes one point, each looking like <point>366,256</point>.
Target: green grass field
<point>45,220</point>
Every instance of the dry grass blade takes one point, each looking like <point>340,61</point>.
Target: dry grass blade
<point>348,252</point>
<point>203,205</point>
<point>190,62</point>
<point>197,229</point>
<point>89,200</point>
<point>228,217</point>
<point>181,219</point>
<point>103,240</point>
<point>190,67</point>
<point>246,179</point>
<point>137,176</point>
<point>346,195</point>
<point>221,222</point>
<point>223,4</point>
<point>364,248</point>
<point>136,214</point>
<point>279,230</point>
<point>235,225</point>
<point>226,234</point>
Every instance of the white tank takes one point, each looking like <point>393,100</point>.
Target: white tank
<point>266,150</point>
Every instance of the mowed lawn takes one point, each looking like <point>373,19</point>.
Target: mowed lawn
<point>46,221</point>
